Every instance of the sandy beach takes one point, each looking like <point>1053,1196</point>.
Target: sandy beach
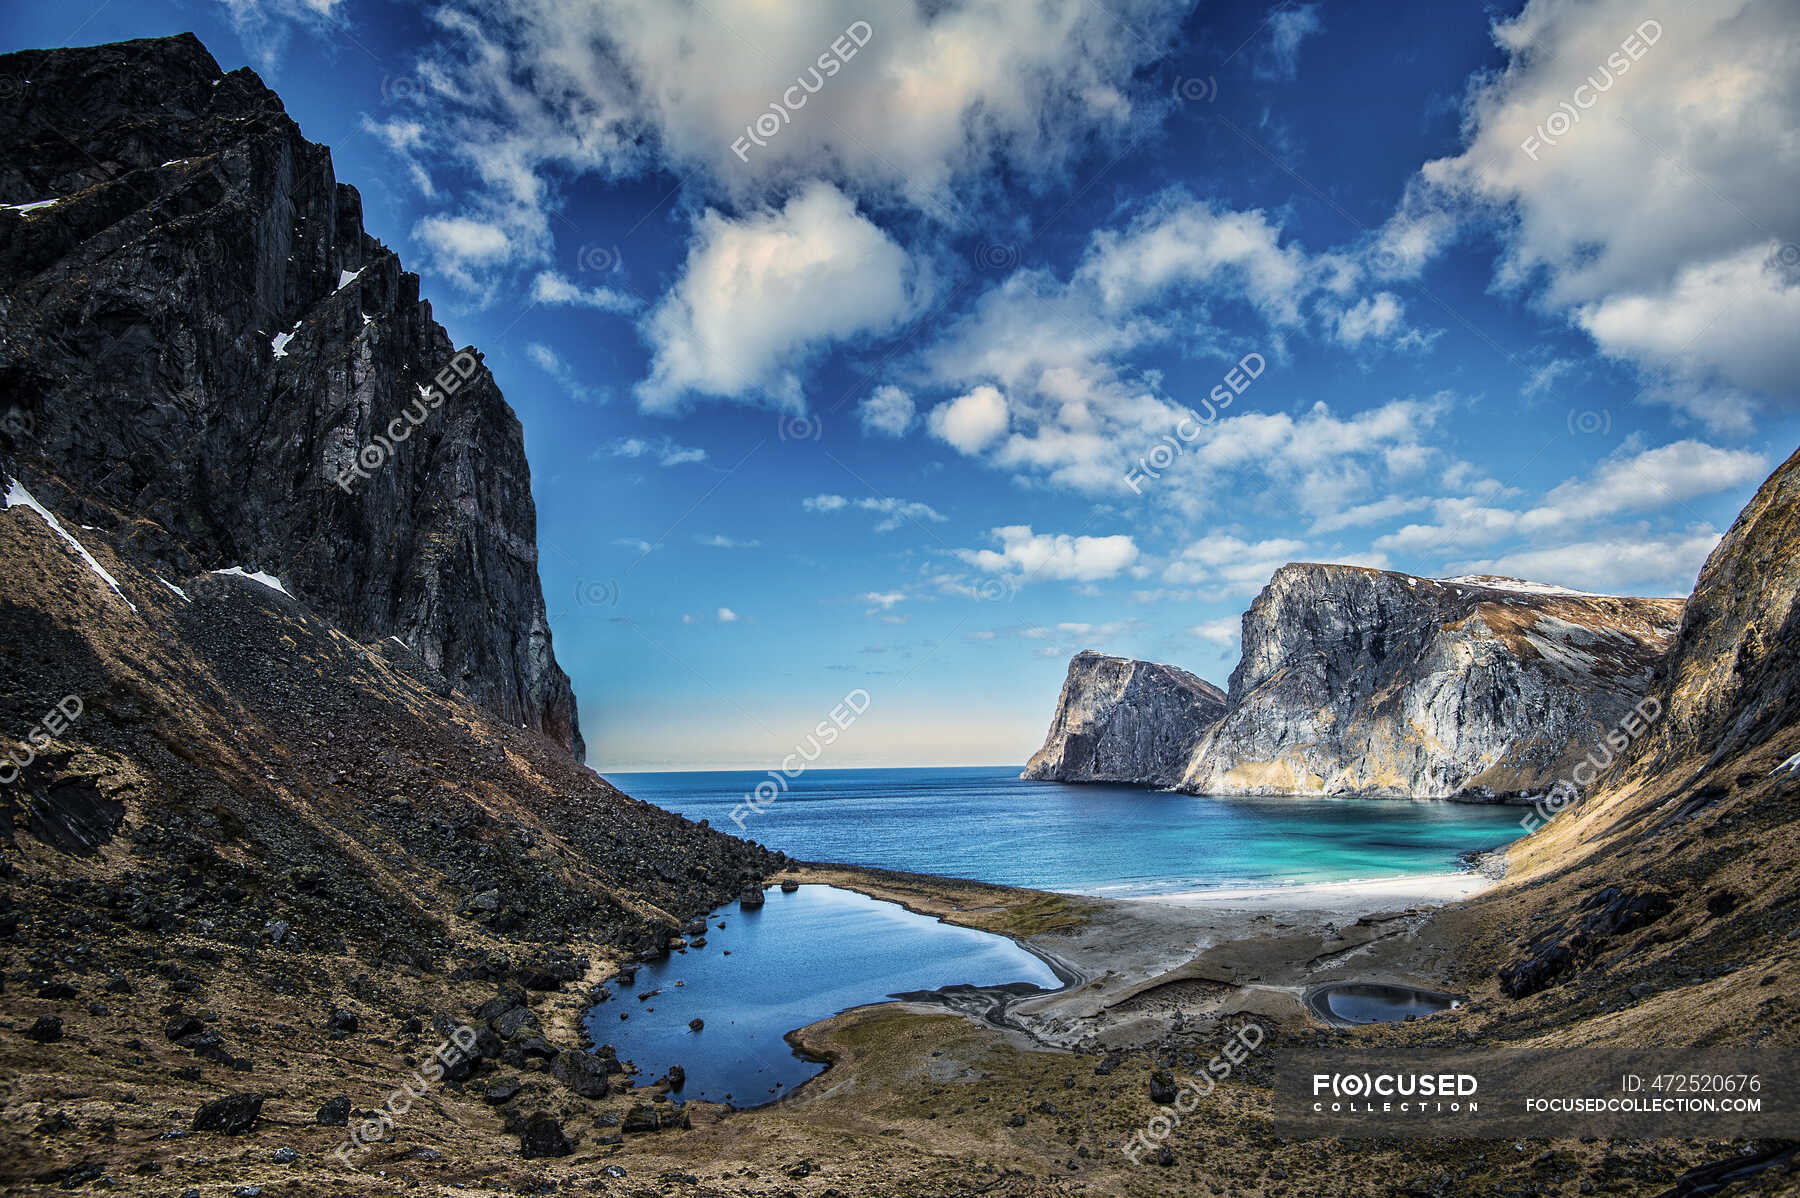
<point>1131,965</point>
<point>1372,894</point>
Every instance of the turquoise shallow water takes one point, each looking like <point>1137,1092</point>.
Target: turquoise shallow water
<point>799,958</point>
<point>984,823</point>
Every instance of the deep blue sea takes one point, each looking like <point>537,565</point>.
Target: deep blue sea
<point>984,823</point>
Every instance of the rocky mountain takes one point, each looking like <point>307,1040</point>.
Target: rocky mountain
<point>1119,720</point>
<point>1663,897</point>
<point>1369,682</point>
<point>279,866</point>
<point>1730,687</point>
<point>1724,748</point>
<point>207,357</point>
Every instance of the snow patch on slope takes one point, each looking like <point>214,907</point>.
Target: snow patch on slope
<point>1494,582</point>
<point>18,496</point>
<point>268,580</point>
<point>279,342</point>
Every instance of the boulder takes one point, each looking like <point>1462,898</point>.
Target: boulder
<point>640,1118</point>
<point>543,1136</point>
<point>232,1115</point>
<point>582,1073</point>
<point>516,1022</point>
<point>46,1030</point>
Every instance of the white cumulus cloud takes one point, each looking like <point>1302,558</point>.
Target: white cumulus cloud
<point>1053,557</point>
<point>759,295</point>
<point>1661,219</point>
<point>888,412</point>
<point>934,99</point>
<point>971,422</point>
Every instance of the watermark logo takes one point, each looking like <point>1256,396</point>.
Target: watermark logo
<point>1193,1091</point>
<point>1590,420</point>
<point>1187,430</point>
<point>995,256</point>
<point>781,112</point>
<point>799,427</point>
<point>402,89</point>
<point>1394,1093</point>
<point>452,1052</point>
<point>1567,791</point>
<point>1786,259</point>
<point>1394,260</point>
<point>598,592</point>
<point>825,734</point>
<point>375,454</point>
<point>1567,114</point>
<point>992,589</point>
<point>600,259</point>
<point>1192,89</point>
<point>55,722</point>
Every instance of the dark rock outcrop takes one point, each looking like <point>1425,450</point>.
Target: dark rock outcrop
<point>232,1115</point>
<point>209,358</point>
<point>582,1073</point>
<point>1369,682</point>
<point>1609,913</point>
<point>543,1136</point>
<point>1119,720</point>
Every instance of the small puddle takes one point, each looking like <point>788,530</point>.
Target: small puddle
<point>770,970</point>
<point>1350,1003</point>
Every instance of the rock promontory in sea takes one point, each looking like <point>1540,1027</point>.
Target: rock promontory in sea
<point>1356,681</point>
<point>1363,682</point>
<point>1120,720</point>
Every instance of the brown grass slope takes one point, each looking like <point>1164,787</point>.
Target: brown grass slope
<point>1689,840</point>
<point>255,820</point>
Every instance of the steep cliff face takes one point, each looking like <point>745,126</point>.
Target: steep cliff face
<point>1726,740</point>
<point>1731,684</point>
<point>205,352</point>
<point>1368,682</point>
<point>1668,888</point>
<point>1119,720</point>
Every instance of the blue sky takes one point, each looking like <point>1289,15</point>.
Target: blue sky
<point>913,387</point>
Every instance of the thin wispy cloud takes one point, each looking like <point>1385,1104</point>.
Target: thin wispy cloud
<point>661,450</point>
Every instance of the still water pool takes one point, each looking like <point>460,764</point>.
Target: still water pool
<point>799,958</point>
<point>1365,1002</point>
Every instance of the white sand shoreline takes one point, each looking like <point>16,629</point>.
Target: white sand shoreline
<point>1368,894</point>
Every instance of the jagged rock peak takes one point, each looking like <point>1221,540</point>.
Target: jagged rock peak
<point>211,357</point>
<point>1119,720</point>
